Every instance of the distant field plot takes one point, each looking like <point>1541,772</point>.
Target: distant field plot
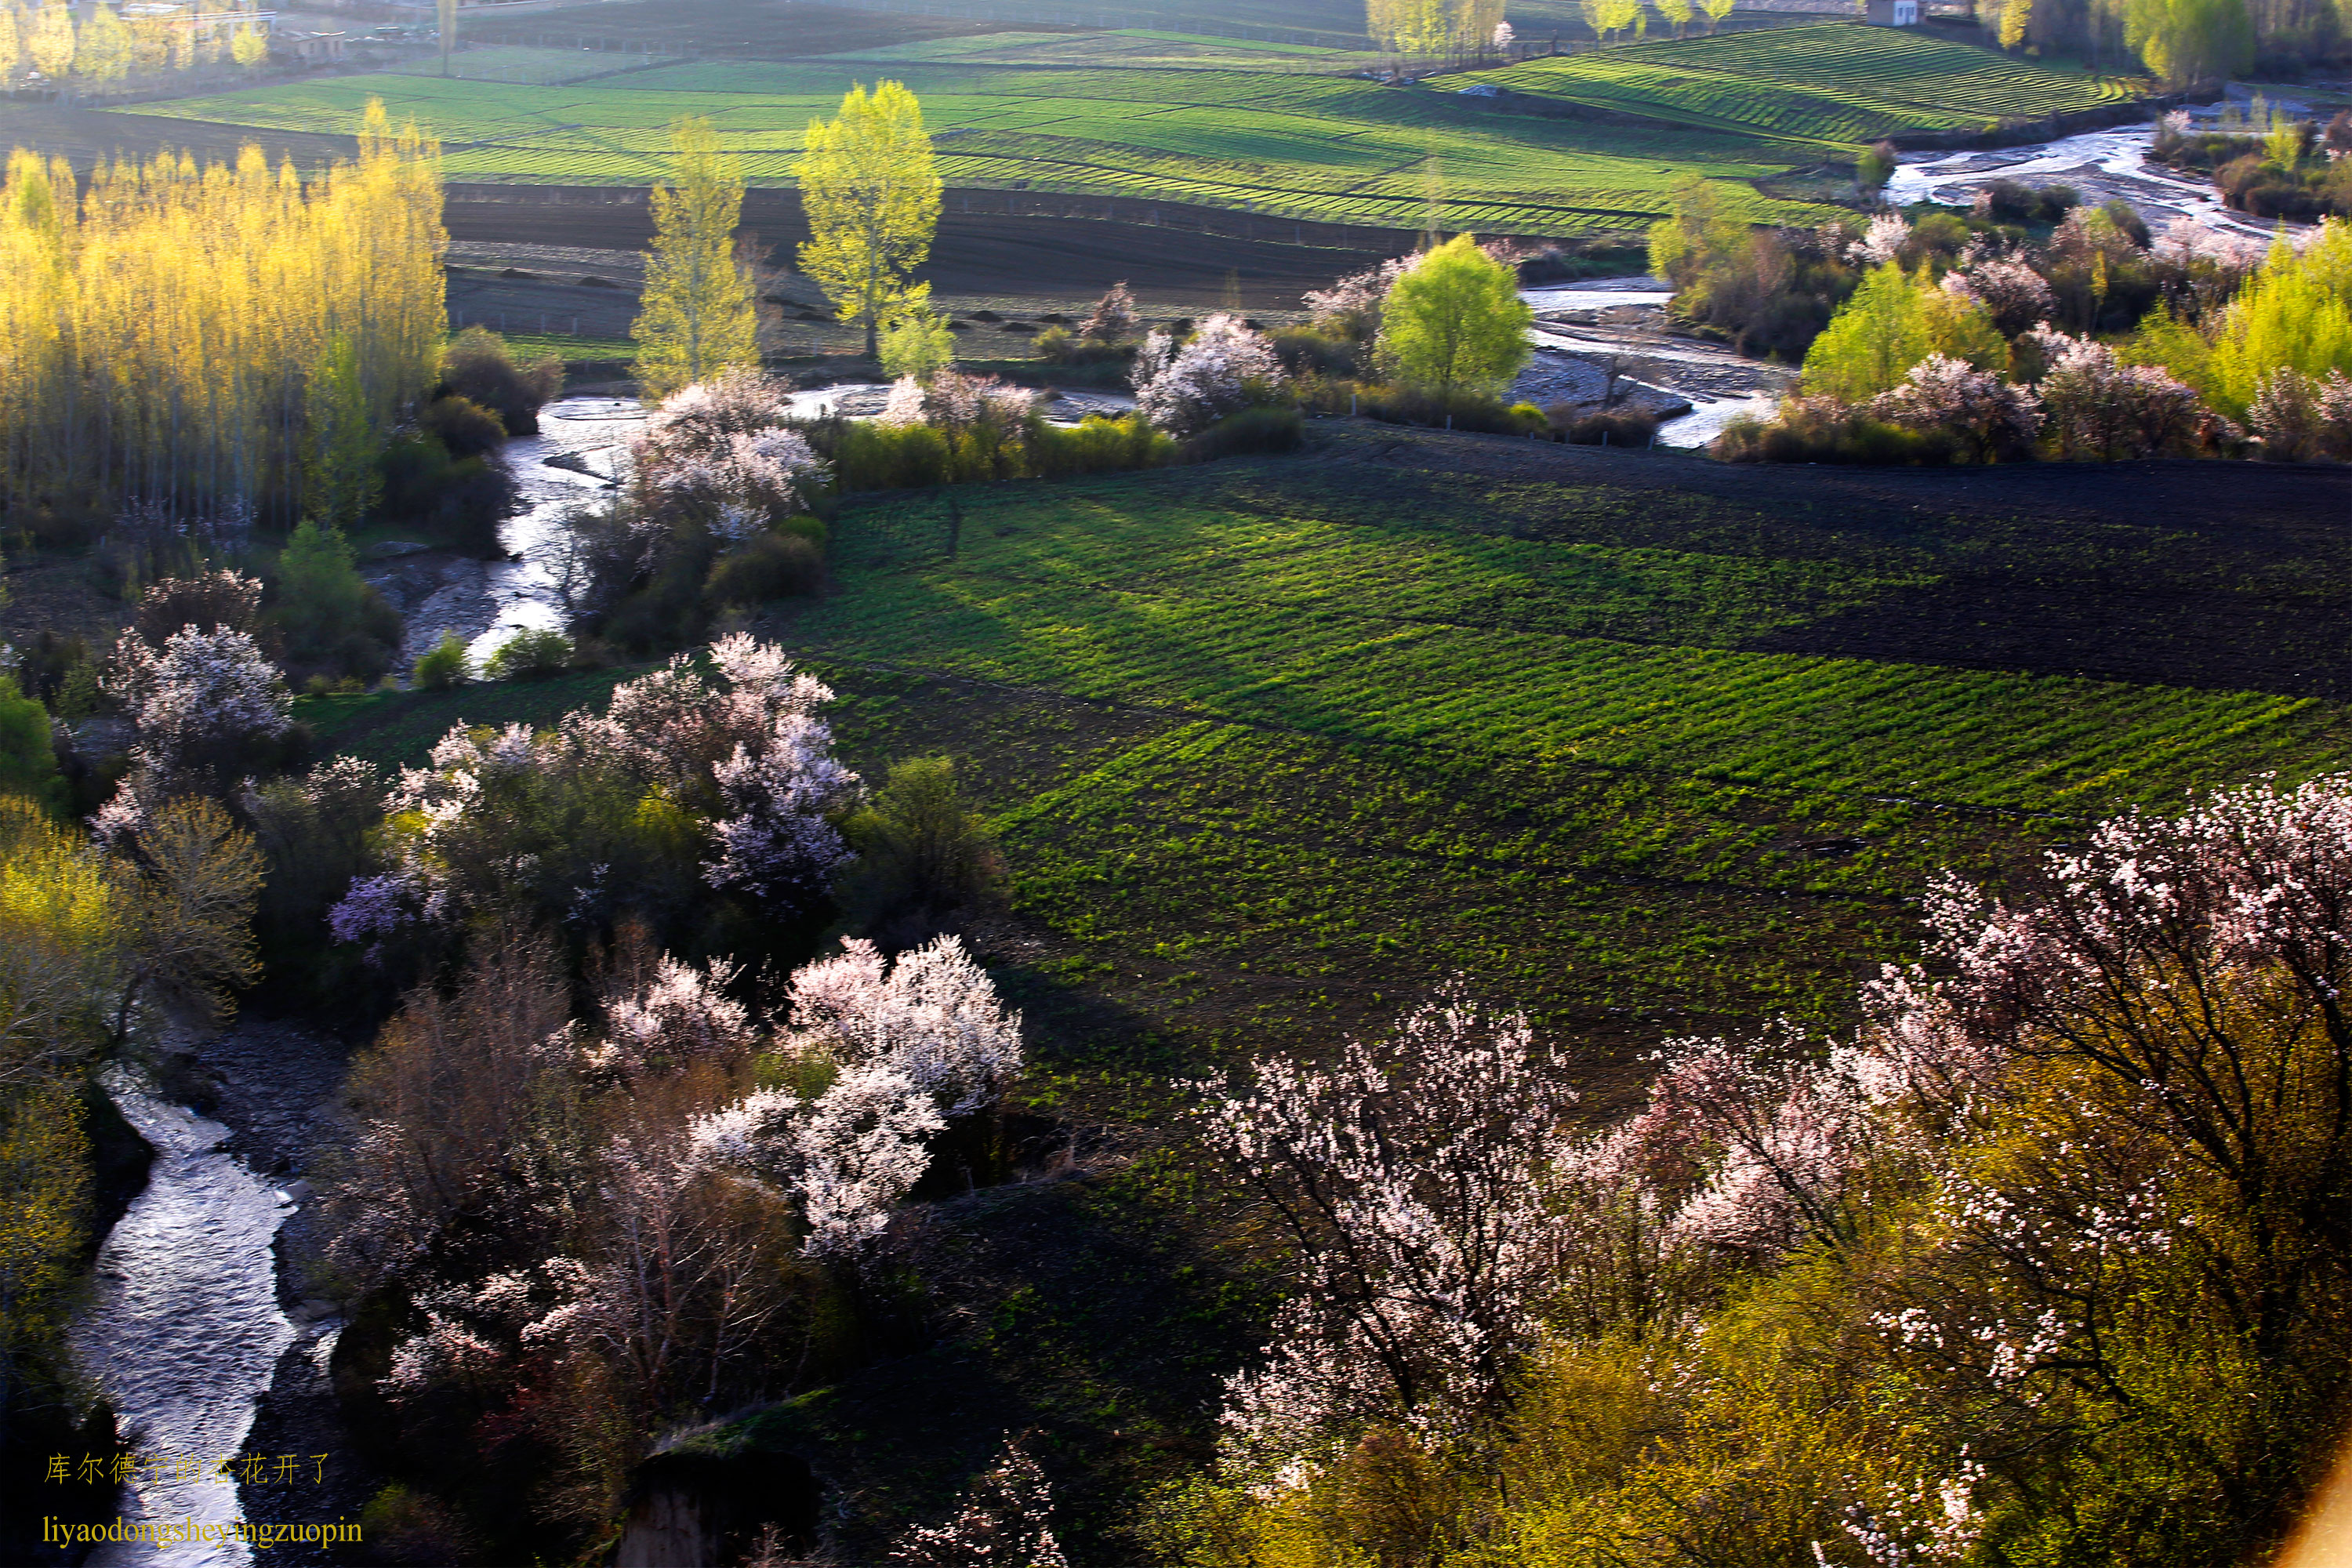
<point>1132,47</point>
<point>1835,82</point>
<point>1324,147</point>
<point>518,64</point>
<point>1388,633</point>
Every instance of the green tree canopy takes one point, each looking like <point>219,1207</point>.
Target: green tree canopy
<point>1456,322</point>
<point>2188,41</point>
<point>1896,319</point>
<point>871,190</point>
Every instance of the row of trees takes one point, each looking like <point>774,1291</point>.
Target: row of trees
<point>2181,42</point>
<point>215,341</point>
<point>1963,337</point>
<point>871,191</point>
<point>105,48</point>
<point>2043,1264</point>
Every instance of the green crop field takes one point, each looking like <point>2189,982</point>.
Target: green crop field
<point>1835,83</point>
<point>1288,138</point>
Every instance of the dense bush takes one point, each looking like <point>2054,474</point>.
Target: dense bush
<point>448,664</point>
<point>456,501</point>
<point>529,655</point>
<point>922,855</point>
<point>774,565</point>
<point>1461,411</point>
<point>465,428</point>
<point>1612,428</point>
<point>1251,430</point>
<point>2012,200</point>
<point>1311,350</point>
<point>477,368</point>
<point>329,619</point>
<point>1824,430</point>
<point>1001,438</point>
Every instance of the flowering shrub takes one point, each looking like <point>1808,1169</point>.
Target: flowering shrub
<point>732,779</point>
<point>207,709</point>
<point>1350,308</point>
<point>1410,1178</point>
<point>1221,369</point>
<point>2012,293</point>
<point>2098,406</point>
<point>917,1043</point>
<point>719,450</point>
<point>2297,417</point>
<point>1990,416</point>
<point>1006,1521</point>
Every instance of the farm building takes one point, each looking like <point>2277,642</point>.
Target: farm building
<point>1892,13</point>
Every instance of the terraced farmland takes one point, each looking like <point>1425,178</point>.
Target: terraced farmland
<point>1835,83</point>
<point>1297,144</point>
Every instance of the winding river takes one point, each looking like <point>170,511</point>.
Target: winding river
<point>184,1330</point>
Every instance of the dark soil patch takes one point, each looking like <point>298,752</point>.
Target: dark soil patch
<point>758,30</point>
<point>89,136</point>
<point>2229,575</point>
<point>980,252</point>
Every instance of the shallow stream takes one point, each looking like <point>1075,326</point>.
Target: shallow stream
<point>184,1328</point>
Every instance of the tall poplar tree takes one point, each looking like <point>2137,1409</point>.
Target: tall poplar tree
<point>871,191</point>
<point>50,42</point>
<point>105,51</point>
<point>696,317</point>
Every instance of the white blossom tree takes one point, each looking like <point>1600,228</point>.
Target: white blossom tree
<point>1412,1177</point>
<point>1005,1521</point>
<point>1185,387</point>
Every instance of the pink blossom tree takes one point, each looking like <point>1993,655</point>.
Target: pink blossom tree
<point>2014,296</point>
<point>1988,416</point>
<point>912,1043</point>
<point>2098,406</point>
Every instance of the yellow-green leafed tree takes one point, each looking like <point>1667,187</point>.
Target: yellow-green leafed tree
<point>2296,314</point>
<point>1896,319</point>
<point>50,42</point>
<point>44,1214</point>
<point>250,46</point>
<point>2016,16</point>
<point>106,48</point>
<point>1717,13</point>
<point>1456,322</point>
<point>62,937</point>
<point>1677,13</point>
<point>696,317</point>
<point>11,45</point>
<point>871,190</point>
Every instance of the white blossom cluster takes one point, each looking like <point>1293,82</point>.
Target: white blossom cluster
<point>199,705</point>
<point>1005,1521</point>
<point>917,1043</point>
<point>1185,387</point>
<point>748,751</point>
<point>722,450</point>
